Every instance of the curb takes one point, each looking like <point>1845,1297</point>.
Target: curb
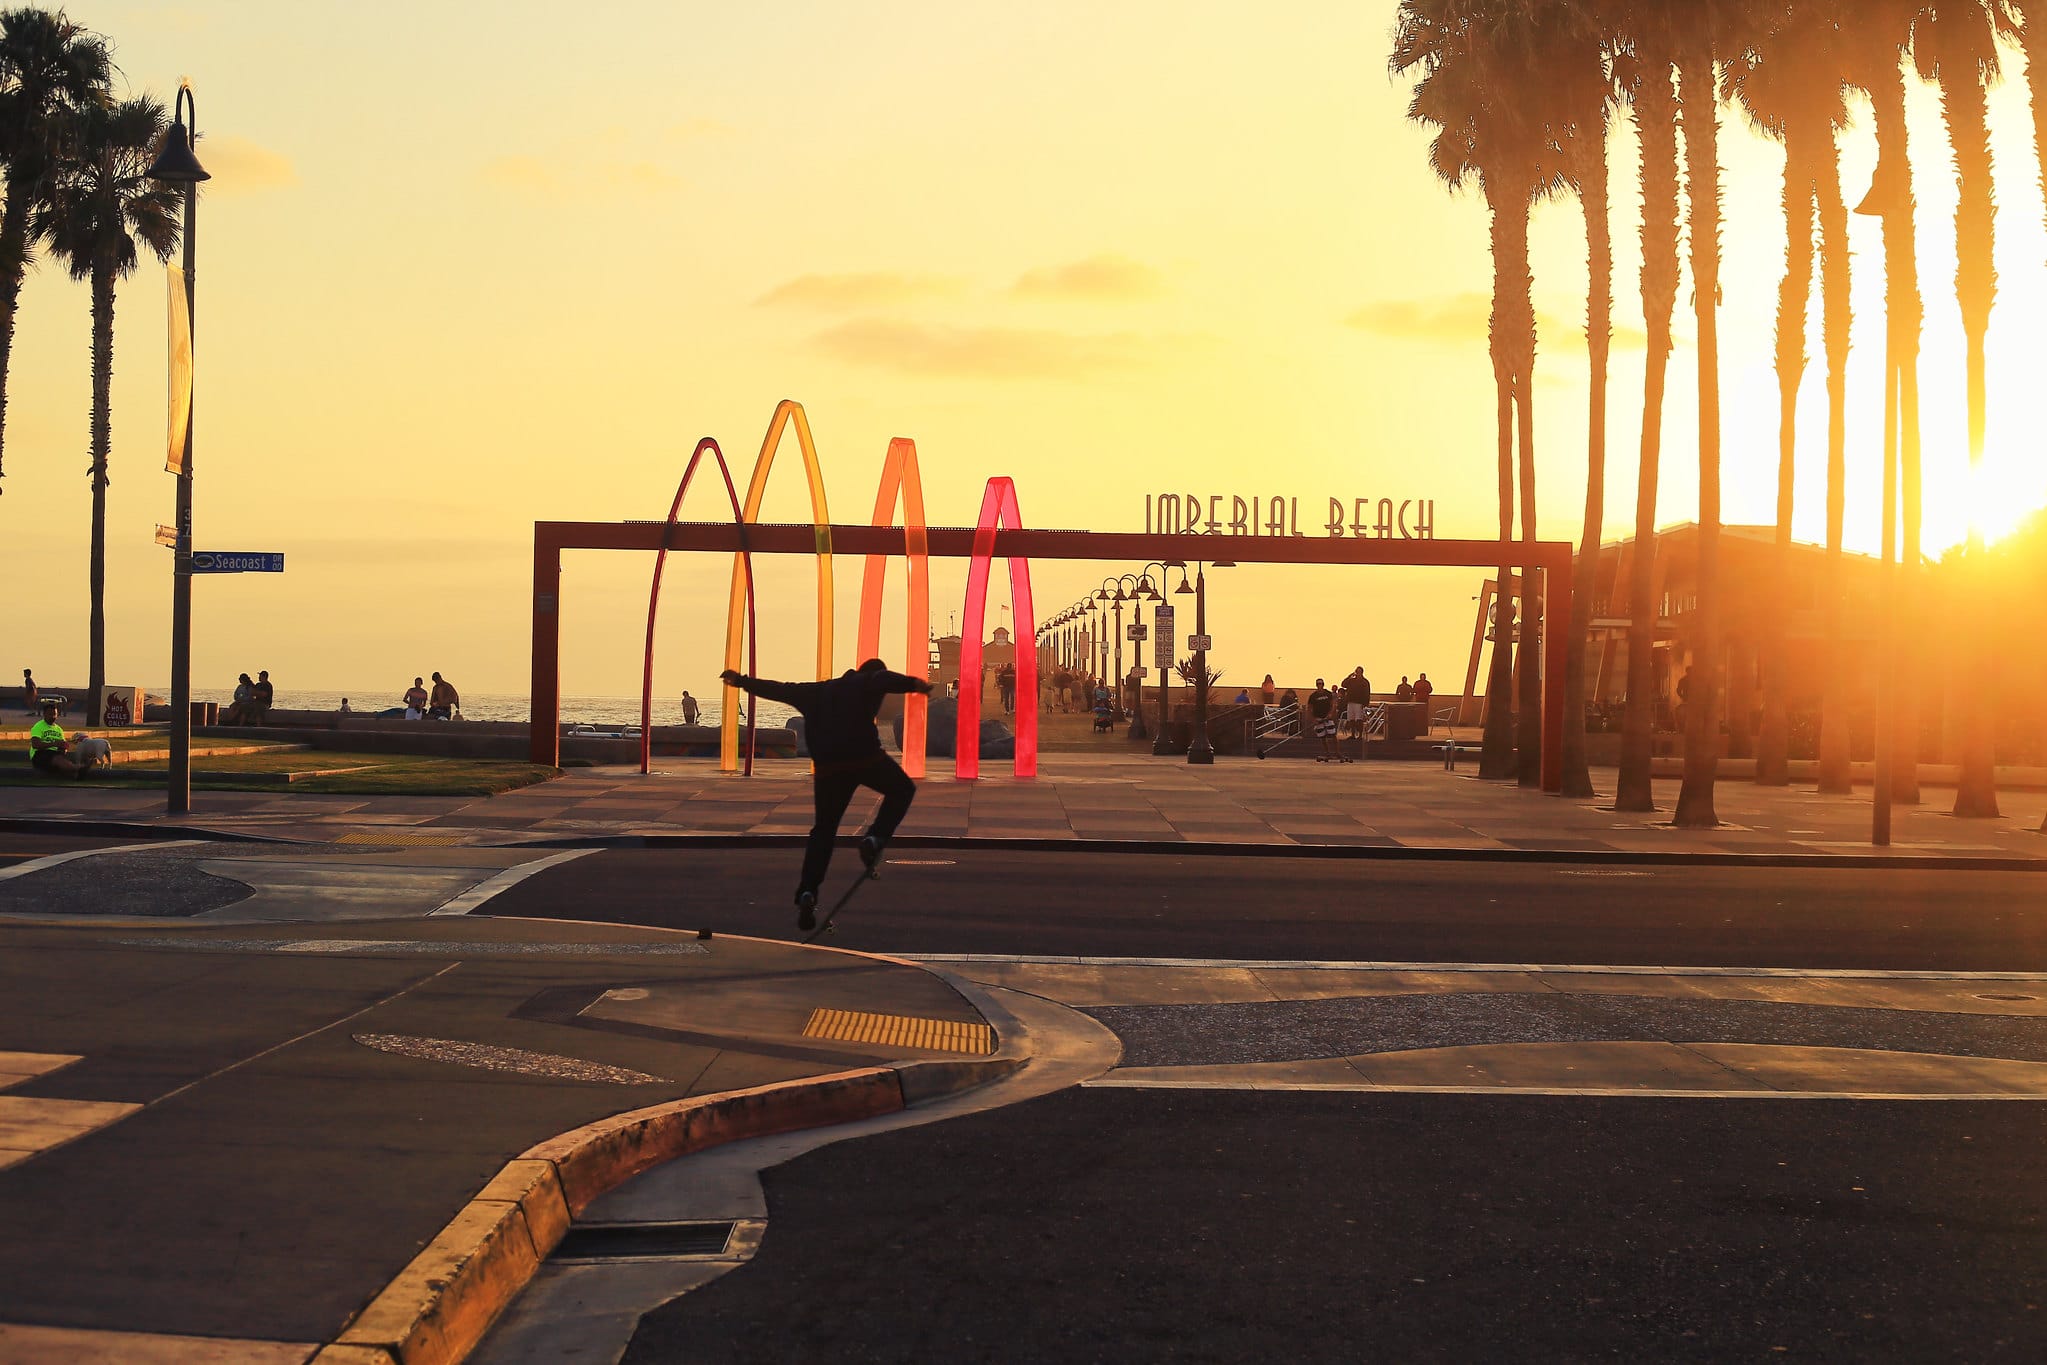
<point>440,1306</point>
<point>1934,862</point>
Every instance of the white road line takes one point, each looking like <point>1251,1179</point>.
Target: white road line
<point>1308,964</point>
<point>1113,1082</point>
<point>510,877</point>
<point>55,859</point>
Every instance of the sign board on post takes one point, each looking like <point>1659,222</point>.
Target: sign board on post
<point>1200,642</point>
<point>236,561</point>
<point>1136,630</point>
<point>1163,614</point>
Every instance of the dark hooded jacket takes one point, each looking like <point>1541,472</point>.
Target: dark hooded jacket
<point>838,713</point>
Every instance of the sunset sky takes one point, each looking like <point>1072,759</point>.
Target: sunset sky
<point>466,266</point>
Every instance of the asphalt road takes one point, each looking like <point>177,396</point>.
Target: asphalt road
<point>1106,1225</point>
<point>971,901</point>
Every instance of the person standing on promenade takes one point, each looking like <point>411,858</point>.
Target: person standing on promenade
<point>28,692</point>
<point>846,754</point>
<point>1357,695</point>
<point>1423,690</point>
<point>690,709</point>
<point>1322,707</point>
<point>441,703</point>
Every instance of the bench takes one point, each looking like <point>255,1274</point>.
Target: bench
<point>1451,748</point>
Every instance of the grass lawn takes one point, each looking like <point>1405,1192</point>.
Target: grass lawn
<point>372,775</point>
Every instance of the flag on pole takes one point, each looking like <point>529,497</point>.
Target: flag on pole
<point>181,374</point>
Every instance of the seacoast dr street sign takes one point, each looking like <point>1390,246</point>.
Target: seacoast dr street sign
<point>237,561</point>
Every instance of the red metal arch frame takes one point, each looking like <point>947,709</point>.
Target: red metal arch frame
<point>900,481</point>
<point>550,538</point>
<point>745,565</point>
<point>998,507</point>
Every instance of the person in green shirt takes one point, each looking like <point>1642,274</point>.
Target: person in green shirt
<point>46,747</point>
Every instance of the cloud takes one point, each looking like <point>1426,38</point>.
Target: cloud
<point>1107,277</point>
<point>239,166</point>
<point>1465,317</point>
<point>974,352</point>
<point>849,293</point>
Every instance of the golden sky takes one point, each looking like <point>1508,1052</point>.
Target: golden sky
<point>463,266</point>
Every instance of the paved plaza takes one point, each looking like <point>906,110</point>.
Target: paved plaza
<point>1240,802</point>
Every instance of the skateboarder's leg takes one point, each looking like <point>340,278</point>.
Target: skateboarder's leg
<point>830,791</point>
<point>897,790</point>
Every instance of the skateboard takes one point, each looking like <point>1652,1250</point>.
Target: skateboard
<point>824,926</point>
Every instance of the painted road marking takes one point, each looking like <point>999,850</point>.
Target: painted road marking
<point>56,859</point>
<point>1311,964</point>
<point>476,895</point>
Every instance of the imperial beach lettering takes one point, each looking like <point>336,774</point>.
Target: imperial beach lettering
<point>1359,518</point>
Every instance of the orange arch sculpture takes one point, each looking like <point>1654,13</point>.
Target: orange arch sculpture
<point>654,600</point>
<point>900,482</point>
<point>786,411</point>
<point>998,508</point>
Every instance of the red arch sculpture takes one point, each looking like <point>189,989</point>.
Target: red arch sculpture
<point>654,601</point>
<point>900,481</point>
<point>998,508</point>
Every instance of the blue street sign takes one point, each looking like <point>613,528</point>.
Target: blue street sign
<point>236,561</point>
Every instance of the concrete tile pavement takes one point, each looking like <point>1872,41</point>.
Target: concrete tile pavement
<point>1277,802</point>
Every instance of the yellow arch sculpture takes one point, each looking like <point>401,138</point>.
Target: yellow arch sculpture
<point>900,481</point>
<point>820,516</point>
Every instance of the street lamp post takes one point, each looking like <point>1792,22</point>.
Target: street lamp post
<point>1199,750</point>
<point>176,165</point>
<point>1162,742</point>
<point>1140,584</point>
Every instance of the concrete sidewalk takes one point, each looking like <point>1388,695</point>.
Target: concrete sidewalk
<point>1274,805</point>
<point>277,1137</point>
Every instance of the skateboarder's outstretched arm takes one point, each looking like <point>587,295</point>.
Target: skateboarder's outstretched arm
<point>797,695</point>
<point>899,682</point>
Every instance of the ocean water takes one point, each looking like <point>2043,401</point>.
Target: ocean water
<point>603,711</point>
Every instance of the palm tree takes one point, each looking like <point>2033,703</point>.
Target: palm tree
<point>1703,32</point>
<point>2029,19</point>
<point>1585,88</point>
<point>1783,83</point>
<point>1477,63</point>
<point>1644,72</point>
<point>50,67</point>
<point>100,205</point>
<point>1955,44</point>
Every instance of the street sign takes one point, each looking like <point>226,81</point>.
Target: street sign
<point>1201,642</point>
<point>1136,630</point>
<point>1163,616</point>
<point>166,536</point>
<point>236,561</point>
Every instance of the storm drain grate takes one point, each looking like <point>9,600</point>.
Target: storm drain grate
<point>901,1030</point>
<point>625,1241</point>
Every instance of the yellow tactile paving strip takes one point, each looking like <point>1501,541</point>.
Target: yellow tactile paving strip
<point>401,840</point>
<point>901,1030</point>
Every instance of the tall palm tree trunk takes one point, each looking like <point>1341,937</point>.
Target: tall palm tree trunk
<point>1655,113</point>
<point>1772,750</point>
<point>13,264</point>
<point>102,443</point>
<point>2033,38</point>
<point>1496,753</point>
<point>1695,808</point>
<point>1837,312</point>
<point>1593,194</point>
<point>1976,291</point>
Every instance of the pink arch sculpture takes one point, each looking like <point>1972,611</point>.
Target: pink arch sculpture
<point>654,601</point>
<point>900,481</point>
<point>998,508</point>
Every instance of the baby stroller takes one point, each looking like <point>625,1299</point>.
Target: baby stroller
<point>1105,715</point>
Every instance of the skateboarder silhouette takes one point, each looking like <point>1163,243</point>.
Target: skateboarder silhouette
<point>845,748</point>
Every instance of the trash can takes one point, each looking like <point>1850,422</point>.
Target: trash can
<point>205,713</point>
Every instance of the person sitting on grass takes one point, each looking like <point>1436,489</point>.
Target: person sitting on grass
<point>47,751</point>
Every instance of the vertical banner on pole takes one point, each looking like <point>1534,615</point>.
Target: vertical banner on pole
<point>180,373</point>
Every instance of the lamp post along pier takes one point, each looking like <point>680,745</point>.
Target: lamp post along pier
<point>176,164</point>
